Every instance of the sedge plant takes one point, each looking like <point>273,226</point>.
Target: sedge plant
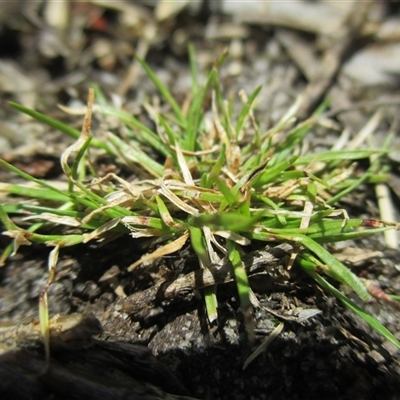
<point>206,175</point>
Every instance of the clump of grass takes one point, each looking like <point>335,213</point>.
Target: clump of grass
<point>219,179</point>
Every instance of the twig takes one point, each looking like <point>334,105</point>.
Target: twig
<point>142,303</point>
<point>333,57</point>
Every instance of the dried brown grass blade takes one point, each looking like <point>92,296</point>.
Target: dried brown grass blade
<point>162,251</point>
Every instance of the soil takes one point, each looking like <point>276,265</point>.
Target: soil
<point>155,347</point>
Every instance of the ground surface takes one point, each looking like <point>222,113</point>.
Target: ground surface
<point>332,355</point>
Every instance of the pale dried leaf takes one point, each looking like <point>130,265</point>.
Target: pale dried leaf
<point>173,198</point>
<point>19,239</point>
<point>101,230</point>
<point>366,131</point>
<point>387,213</point>
<point>187,176</point>
<point>57,219</point>
<point>212,254</point>
<point>117,202</point>
<point>235,237</point>
<point>263,346</point>
<point>81,110</point>
<point>307,313</point>
<point>161,251</point>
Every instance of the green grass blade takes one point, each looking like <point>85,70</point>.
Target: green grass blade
<point>348,189</point>
<point>371,320</point>
<point>137,156</point>
<point>285,149</point>
<point>229,196</point>
<point>164,92</point>
<point>216,169</point>
<point>53,123</point>
<point>243,287</point>
<point>197,240</point>
<point>99,95</point>
<point>337,155</point>
<point>210,299</point>
<point>334,267</point>
<point>30,178</point>
<point>195,114</point>
<point>76,165</point>
<point>245,110</point>
<point>198,244</point>
<point>271,173</point>
<point>6,221</point>
<point>145,135</point>
<point>35,193</point>
<point>193,70</point>
<point>234,222</point>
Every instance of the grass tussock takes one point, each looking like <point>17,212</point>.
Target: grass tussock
<point>208,175</point>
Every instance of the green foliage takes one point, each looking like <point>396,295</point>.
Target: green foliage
<point>212,177</point>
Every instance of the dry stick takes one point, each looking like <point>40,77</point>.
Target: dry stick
<point>381,102</point>
<point>300,51</point>
<point>64,330</point>
<point>202,278</point>
<point>141,304</point>
<point>326,72</point>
